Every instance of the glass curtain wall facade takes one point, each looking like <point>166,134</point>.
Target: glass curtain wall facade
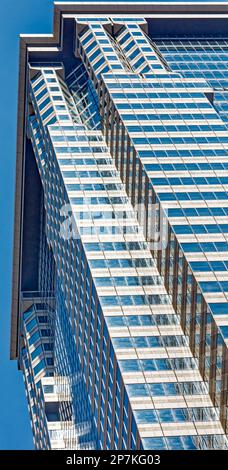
<point>122,321</point>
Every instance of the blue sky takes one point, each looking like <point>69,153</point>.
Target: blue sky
<point>17,16</point>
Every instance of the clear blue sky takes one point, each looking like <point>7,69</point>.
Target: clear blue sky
<point>17,16</point>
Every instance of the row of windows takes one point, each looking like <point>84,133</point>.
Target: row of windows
<point>176,128</point>
<point>175,415</point>
<point>88,174</point>
<point>115,246</point>
<point>179,140</point>
<point>186,166</point>
<point>150,105</point>
<point>155,84</point>
<point>128,281</point>
<point>155,116</point>
<point>186,181</point>
<point>207,58</point>
<point>200,229</point>
<point>121,263</point>
<point>149,341</point>
<point>80,149</point>
<point>205,247</point>
<point>152,365</point>
<point>205,266</point>
<point>185,442</point>
<point>94,187</point>
<point>164,319</point>
<point>204,212</point>
<point>165,389</point>
<point>183,153</point>
<point>141,320</point>
<point>165,95</point>
<point>194,196</point>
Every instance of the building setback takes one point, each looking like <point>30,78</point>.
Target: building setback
<point>120,272</point>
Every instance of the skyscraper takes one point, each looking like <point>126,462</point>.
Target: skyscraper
<point>120,285</point>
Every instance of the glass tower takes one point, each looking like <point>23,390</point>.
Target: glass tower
<point>120,276</point>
